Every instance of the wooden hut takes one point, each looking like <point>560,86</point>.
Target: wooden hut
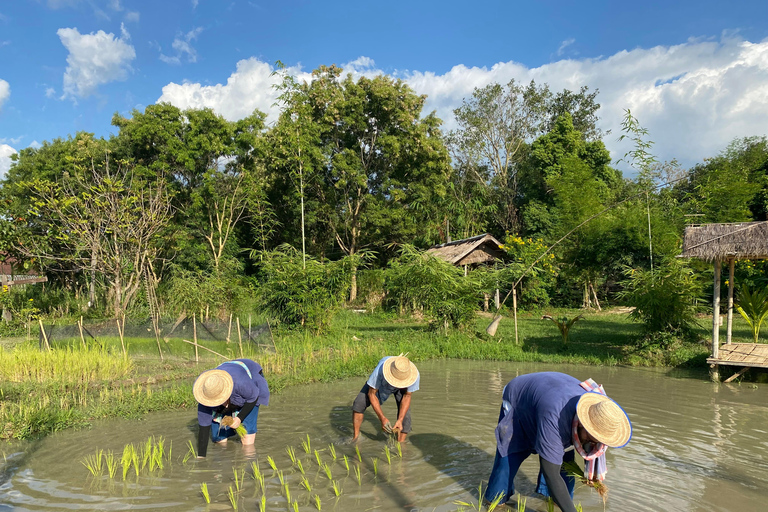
<point>719,243</point>
<point>471,253</point>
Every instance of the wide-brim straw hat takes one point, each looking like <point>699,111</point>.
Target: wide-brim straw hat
<point>399,371</point>
<point>213,388</point>
<point>604,419</point>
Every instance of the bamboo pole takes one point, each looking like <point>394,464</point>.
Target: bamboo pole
<point>42,331</point>
<point>80,326</point>
<point>229,329</point>
<point>194,334</point>
<point>205,348</point>
<point>239,338</point>
<point>714,370</point>
<point>249,327</point>
<point>514,309</point>
<point>729,329</point>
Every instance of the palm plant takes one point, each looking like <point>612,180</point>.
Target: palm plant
<point>753,306</point>
<point>564,324</point>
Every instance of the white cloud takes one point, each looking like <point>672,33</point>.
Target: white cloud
<point>5,159</point>
<point>5,92</point>
<point>34,144</point>
<point>94,59</point>
<point>694,98</point>
<point>132,16</point>
<point>11,140</point>
<point>565,44</point>
<point>183,46</point>
<point>50,92</point>
<point>194,3</point>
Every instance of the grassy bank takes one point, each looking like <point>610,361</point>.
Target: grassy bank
<point>42,392</point>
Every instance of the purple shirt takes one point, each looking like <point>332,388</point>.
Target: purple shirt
<point>245,388</point>
<point>537,415</point>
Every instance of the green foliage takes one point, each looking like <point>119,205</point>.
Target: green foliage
<point>534,289</point>
<point>753,306</point>
<point>418,282</point>
<point>303,296</point>
<point>666,299</point>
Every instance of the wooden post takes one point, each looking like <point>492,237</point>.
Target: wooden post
<point>497,299</point>
<point>729,329</point>
<point>194,334</point>
<point>714,370</point>
<point>239,338</point>
<point>514,308</point>
<point>249,327</point>
<point>229,329</point>
<point>80,326</point>
<point>42,331</point>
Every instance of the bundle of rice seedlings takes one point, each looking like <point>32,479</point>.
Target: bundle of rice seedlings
<point>573,469</point>
<point>204,491</point>
<point>227,421</point>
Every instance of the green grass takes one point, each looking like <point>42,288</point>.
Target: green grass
<point>43,392</point>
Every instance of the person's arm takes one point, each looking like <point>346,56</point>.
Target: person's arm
<point>405,404</point>
<point>556,485</point>
<point>244,412</point>
<point>203,433</point>
<point>376,405</point>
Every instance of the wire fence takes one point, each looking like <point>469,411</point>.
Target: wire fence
<point>259,336</point>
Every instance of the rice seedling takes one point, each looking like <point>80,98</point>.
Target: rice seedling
<point>521,503</point>
<point>318,503</point>
<point>287,493</point>
<point>479,506</point>
<point>305,484</point>
<point>111,462</point>
<point>190,452</point>
<point>300,466</point>
<point>319,460</point>
<point>327,469</point>
<point>93,463</point>
<point>332,450</point>
<point>292,454</point>
<point>255,470</point>
<point>135,460</point>
<point>232,497</point>
<point>306,445</point>
<point>399,450</point>
<point>389,456</point>
<point>336,488</point>
<point>573,469</point>
<point>375,462</point>
<point>271,462</point>
<point>550,505</point>
<point>241,431</point>
<point>126,459</point>
<point>158,452</point>
<point>295,506</point>
<point>204,491</point>
<point>263,504</point>
<point>357,451</point>
<point>239,477</point>
<point>357,475</point>
<point>281,477</point>
<point>146,453</point>
<point>346,463</point>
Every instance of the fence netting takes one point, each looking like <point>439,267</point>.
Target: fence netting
<point>259,335</point>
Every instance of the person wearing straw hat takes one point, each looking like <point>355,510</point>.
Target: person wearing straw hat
<point>229,396</point>
<point>554,415</point>
<point>394,375</point>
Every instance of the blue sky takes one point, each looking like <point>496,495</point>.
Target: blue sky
<point>694,73</point>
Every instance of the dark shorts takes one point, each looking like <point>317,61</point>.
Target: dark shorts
<point>362,402</point>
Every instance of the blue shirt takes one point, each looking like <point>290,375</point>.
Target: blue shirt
<point>537,415</point>
<point>246,388</point>
<point>384,388</point>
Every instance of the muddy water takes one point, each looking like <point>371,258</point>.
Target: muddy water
<point>696,447</point>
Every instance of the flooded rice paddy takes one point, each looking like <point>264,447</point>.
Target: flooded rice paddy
<point>696,447</point>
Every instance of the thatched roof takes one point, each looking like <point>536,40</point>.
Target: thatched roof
<point>469,251</point>
<point>740,240</point>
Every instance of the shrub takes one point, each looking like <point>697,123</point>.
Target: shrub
<point>416,281</point>
<point>298,296</point>
<point>665,299</point>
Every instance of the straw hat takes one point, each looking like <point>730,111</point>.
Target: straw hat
<point>399,371</point>
<point>604,419</point>
<point>213,388</point>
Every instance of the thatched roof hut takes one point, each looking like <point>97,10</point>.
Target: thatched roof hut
<point>736,240</point>
<point>718,243</point>
<point>469,251</point>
